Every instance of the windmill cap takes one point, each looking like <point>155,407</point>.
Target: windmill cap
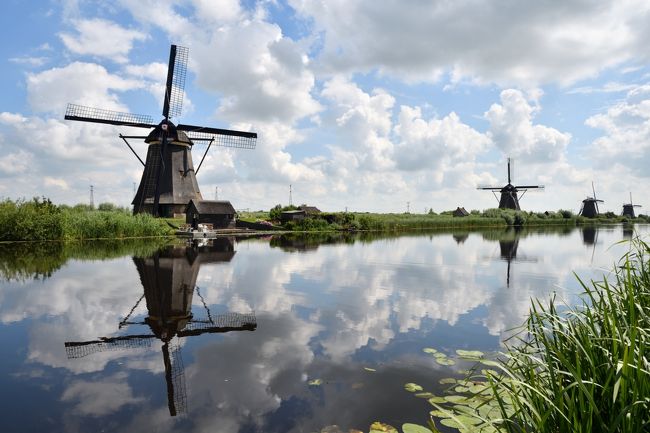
<point>173,135</point>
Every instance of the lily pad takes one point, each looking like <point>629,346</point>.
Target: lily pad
<point>369,369</point>
<point>439,355</point>
<point>447,381</point>
<point>414,428</point>
<point>436,399</point>
<point>380,427</point>
<point>471,354</point>
<point>490,363</point>
<point>455,398</point>
<point>429,350</point>
<point>412,387</point>
<point>424,395</point>
<point>445,361</point>
<point>315,382</point>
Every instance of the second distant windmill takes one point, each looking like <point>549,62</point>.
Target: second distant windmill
<point>168,180</point>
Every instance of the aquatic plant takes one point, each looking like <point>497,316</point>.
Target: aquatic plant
<point>568,369</point>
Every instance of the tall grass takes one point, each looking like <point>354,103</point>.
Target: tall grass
<point>40,219</point>
<point>585,368</point>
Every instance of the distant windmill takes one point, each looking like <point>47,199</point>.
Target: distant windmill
<point>169,180</point>
<point>590,205</point>
<point>509,199</point>
<point>628,209</point>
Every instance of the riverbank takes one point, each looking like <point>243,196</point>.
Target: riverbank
<point>407,221</point>
<point>40,219</point>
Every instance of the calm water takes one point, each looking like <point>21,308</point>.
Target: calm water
<point>226,336</point>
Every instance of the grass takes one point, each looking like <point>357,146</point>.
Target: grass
<point>40,219</point>
<point>570,369</point>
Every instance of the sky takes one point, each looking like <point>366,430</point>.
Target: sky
<point>361,105</point>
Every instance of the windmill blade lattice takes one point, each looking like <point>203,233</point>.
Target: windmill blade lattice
<point>99,115</point>
<point>75,350</point>
<point>175,88</point>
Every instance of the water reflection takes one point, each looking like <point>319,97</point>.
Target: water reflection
<point>328,306</point>
<point>169,280</point>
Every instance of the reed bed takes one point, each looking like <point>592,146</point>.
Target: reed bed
<point>40,219</point>
<point>584,368</point>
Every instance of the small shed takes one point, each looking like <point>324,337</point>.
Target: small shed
<point>460,212</point>
<point>292,215</point>
<point>309,210</point>
<point>219,213</point>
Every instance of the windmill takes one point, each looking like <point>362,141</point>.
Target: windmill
<point>168,180</point>
<point>169,281</point>
<point>509,199</point>
<point>628,209</point>
<point>590,205</point>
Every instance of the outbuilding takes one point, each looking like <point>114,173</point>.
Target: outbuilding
<point>460,212</point>
<point>292,215</point>
<point>219,213</point>
<point>309,210</point>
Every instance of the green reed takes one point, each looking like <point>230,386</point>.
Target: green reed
<point>40,219</point>
<point>584,368</point>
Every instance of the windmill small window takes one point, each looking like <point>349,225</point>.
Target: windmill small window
<point>168,180</point>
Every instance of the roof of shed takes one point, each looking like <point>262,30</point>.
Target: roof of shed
<point>212,207</point>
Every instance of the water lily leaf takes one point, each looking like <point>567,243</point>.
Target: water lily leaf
<point>429,350</point>
<point>315,382</point>
<point>414,428</point>
<point>478,388</point>
<point>490,363</point>
<point>445,361</point>
<point>436,399</point>
<point>439,413</point>
<point>472,354</point>
<point>455,398</point>
<point>412,387</point>
<point>461,389</point>
<point>424,395</point>
<point>439,355</point>
<point>447,381</point>
<point>380,427</point>
<point>369,369</point>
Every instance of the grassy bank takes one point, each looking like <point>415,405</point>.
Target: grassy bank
<point>569,369</point>
<point>40,219</point>
<point>406,221</point>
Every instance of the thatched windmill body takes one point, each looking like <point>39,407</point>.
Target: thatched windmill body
<point>509,193</point>
<point>628,208</point>
<point>168,180</point>
<point>590,205</point>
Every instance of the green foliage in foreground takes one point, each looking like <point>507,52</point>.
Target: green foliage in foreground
<point>569,369</point>
<point>40,219</point>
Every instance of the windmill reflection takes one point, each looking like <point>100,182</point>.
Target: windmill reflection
<point>508,246</point>
<point>169,281</point>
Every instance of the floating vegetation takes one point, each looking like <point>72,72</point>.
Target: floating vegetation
<point>369,369</point>
<point>412,387</point>
<point>315,382</point>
